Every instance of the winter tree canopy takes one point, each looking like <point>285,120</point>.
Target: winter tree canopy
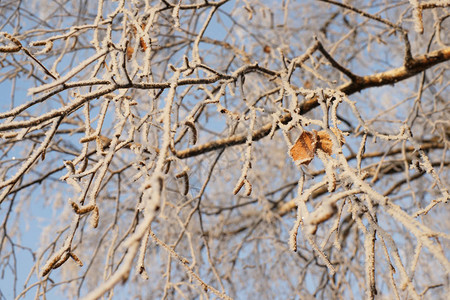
<point>248,149</point>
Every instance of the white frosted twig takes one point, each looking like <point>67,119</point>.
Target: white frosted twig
<point>294,231</point>
<point>102,114</point>
<point>415,260</point>
<point>151,201</point>
<point>18,109</point>
<point>243,181</point>
<point>73,30</point>
<point>120,275</point>
<point>390,267</point>
<point>335,228</point>
<point>185,263</point>
<point>334,118</point>
<point>140,266</point>
<point>31,160</point>
<point>389,137</point>
<point>60,57</point>
<point>328,208</point>
<point>184,175</point>
<point>195,50</point>
<point>362,149</point>
<point>420,231</point>
<point>110,253</point>
<point>302,213</point>
<point>330,167</point>
<point>417,13</point>
<point>193,136</point>
<point>369,263</point>
<point>74,105</point>
<point>18,47</point>
<point>107,160</point>
<point>429,168</point>
<point>60,256</point>
<point>83,153</point>
<point>331,269</point>
<point>98,19</point>
<point>146,70</point>
<point>101,117</point>
<point>426,209</point>
<point>176,15</point>
<point>405,281</point>
<point>84,173</point>
<point>10,49</point>
<point>286,86</point>
<point>69,75</point>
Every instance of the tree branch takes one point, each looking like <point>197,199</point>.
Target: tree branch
<point>419,64</point>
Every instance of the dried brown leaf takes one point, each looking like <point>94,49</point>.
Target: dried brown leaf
<point>303,150</point>
<point>130,51</point>
<point>324,141</point>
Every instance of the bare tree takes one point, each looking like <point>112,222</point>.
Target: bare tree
<point>243,149</point>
